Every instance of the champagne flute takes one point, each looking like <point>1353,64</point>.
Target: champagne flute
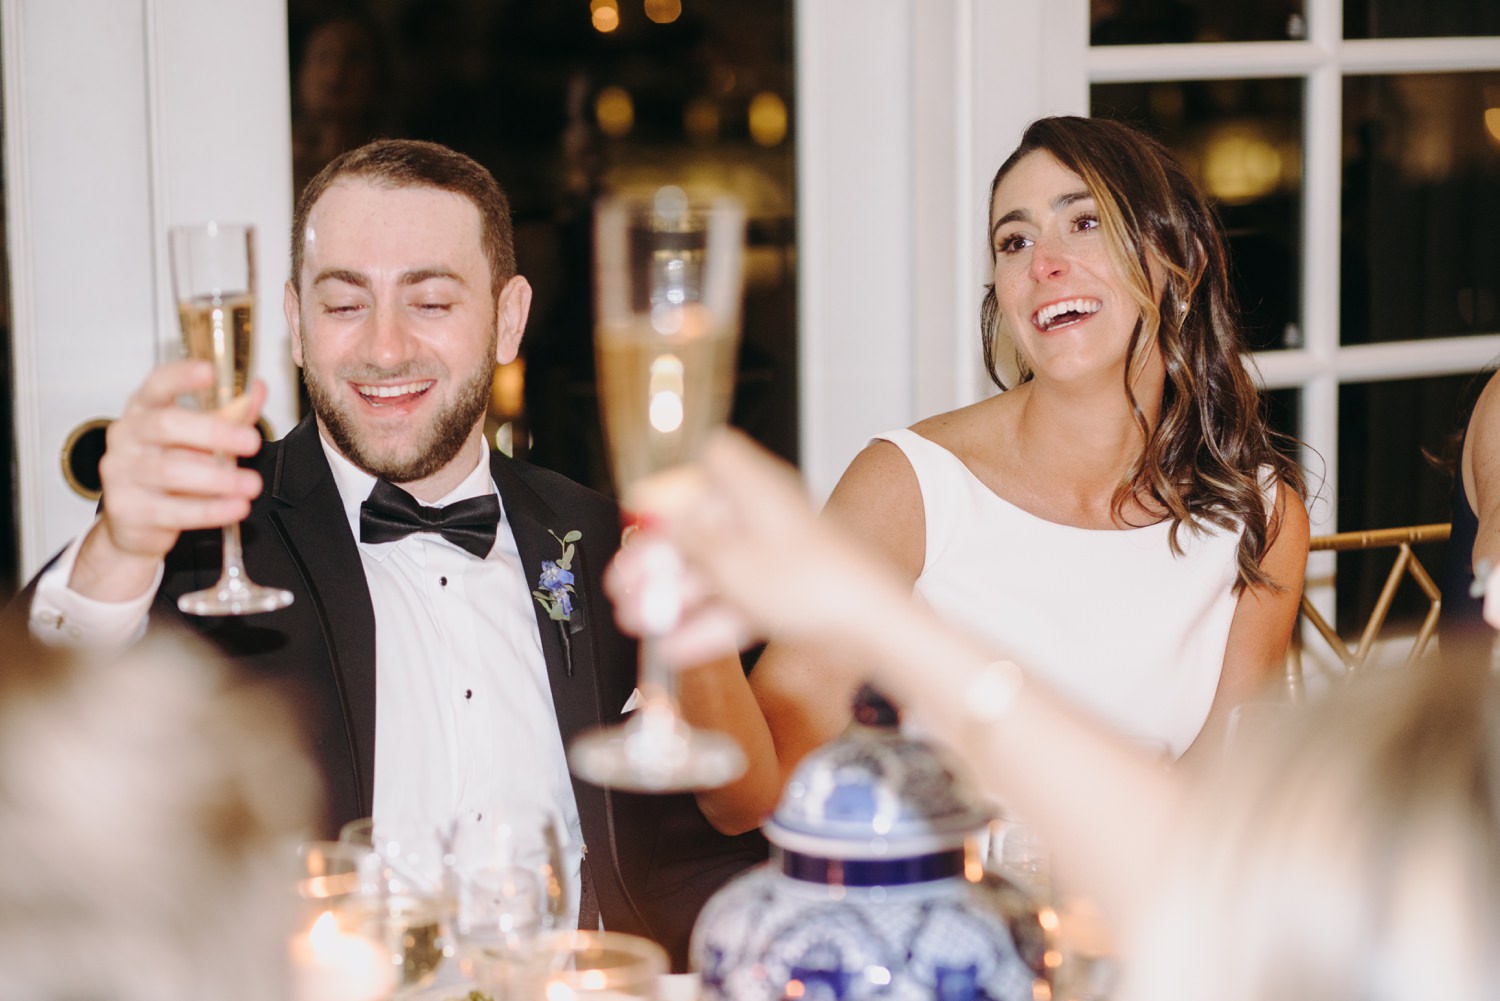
<point>213,281</point>
<point>668,273</point>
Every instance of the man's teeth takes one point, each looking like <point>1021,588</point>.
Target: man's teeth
<point>1047,314</point>
<point>386,392</point>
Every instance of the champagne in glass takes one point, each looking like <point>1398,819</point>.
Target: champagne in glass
<point>213,281</point>
<point>409,927</point>
<point>668,272</point>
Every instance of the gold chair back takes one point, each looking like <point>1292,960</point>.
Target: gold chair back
<point>1405,564</point>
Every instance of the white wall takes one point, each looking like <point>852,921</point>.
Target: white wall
<point>121,117</point>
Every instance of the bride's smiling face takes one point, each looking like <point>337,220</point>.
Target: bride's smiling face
<point>1059,293</point>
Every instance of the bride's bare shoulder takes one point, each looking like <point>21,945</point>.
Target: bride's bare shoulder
<point>879,501</point>
<point>972,430</point>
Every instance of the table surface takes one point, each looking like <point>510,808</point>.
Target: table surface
<point>452,985</point>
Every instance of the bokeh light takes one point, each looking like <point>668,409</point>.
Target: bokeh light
<point>614,111</point>
<point>767,118</point>
<point>700,120</point>
<point>663,11</point>
<point>605,15</point>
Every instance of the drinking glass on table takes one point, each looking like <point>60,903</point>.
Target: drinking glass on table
<point>667,278</point>
<point>608,966</point>
<point>332,954</point>
<point>405,900</point>
<point>511,872</point>
<point>213,283</point>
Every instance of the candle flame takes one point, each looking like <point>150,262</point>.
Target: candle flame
<point>324,931</point>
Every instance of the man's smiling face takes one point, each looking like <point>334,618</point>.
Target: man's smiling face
<point>398,331</point>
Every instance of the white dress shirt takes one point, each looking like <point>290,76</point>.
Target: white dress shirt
<point>464,720</point>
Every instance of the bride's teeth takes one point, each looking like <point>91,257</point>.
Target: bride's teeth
<point>1047,314</point>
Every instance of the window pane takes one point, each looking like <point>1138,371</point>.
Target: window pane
<point>1146,22</point>
<point>1242,140</point>
<point>1283,409</point>
<point>1425,19</point>
<point>1421,206</point>
<point>1397,441</point>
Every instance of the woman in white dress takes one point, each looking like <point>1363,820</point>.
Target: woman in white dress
<point>1120,520</point>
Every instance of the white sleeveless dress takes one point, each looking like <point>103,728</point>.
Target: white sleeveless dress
<point>1112,620</point>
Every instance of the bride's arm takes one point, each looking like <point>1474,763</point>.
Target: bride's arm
<point>1261,629</point>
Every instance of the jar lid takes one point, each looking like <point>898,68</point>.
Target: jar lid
<point>875,793</point>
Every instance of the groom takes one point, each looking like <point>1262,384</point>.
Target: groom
<point>443,653</point>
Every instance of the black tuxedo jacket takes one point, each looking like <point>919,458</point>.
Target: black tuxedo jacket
<point>653,859</point>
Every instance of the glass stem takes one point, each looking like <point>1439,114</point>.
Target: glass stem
<point>658,686</point>
<point>233,574</point>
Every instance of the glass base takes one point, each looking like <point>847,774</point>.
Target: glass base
<point>233,596</point>
<point>644,757</point>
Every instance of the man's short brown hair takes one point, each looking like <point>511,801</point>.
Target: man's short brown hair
<point>409,163</point>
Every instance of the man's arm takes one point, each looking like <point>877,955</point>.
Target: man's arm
<point>163,473</point>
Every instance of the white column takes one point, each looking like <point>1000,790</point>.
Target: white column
<point>123,115</point>
<point>905,109</point>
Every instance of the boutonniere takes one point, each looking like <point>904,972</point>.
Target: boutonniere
<point>554,587</point>
<point>554,590</point>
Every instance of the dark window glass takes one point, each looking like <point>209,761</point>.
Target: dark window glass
<point>1148,22</point>
<point>1242,139</point>
<point>1421,206</point>
<point>1397,445</point>
<point>1424,19</point>
<point>1283,409</point>
<point>562,101</point>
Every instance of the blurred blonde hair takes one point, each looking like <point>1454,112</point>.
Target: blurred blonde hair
<point>145,805</point>
<point>1356,858</point>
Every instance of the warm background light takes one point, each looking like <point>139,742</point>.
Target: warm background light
<point>1239,166</point>
<point>614,111</point>
<point>700,120</point>
<point>767,118</point>
<point>663,11</point>
<point>606,15</point>
<point>508,390</point>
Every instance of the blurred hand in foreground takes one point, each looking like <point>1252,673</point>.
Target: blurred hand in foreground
<point>758,558</point>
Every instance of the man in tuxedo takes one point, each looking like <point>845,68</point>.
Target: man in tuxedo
<point>443,655</point>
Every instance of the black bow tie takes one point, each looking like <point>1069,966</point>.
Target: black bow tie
<point>392,514</point>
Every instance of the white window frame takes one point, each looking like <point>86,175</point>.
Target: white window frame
<point>1321,365</point>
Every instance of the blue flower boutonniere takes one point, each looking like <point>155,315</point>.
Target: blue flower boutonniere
<point>554,593</point>
<point>554,587</point>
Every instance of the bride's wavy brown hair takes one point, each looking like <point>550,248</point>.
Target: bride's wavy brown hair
<point>1201,462</point>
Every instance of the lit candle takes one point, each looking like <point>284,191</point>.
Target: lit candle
<point>586,989</point>
<point>329,964</point>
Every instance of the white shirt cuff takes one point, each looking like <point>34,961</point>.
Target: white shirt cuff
<point>62,617</point>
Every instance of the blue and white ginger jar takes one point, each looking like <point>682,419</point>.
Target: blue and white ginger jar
<point>873,889</point>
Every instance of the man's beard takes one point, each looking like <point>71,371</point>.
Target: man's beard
<point>444,436</point>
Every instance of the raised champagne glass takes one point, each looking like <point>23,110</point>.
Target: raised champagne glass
<point>667,287</point>
<point>213,282</point>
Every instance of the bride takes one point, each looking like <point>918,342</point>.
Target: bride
<point>1119,520</point>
